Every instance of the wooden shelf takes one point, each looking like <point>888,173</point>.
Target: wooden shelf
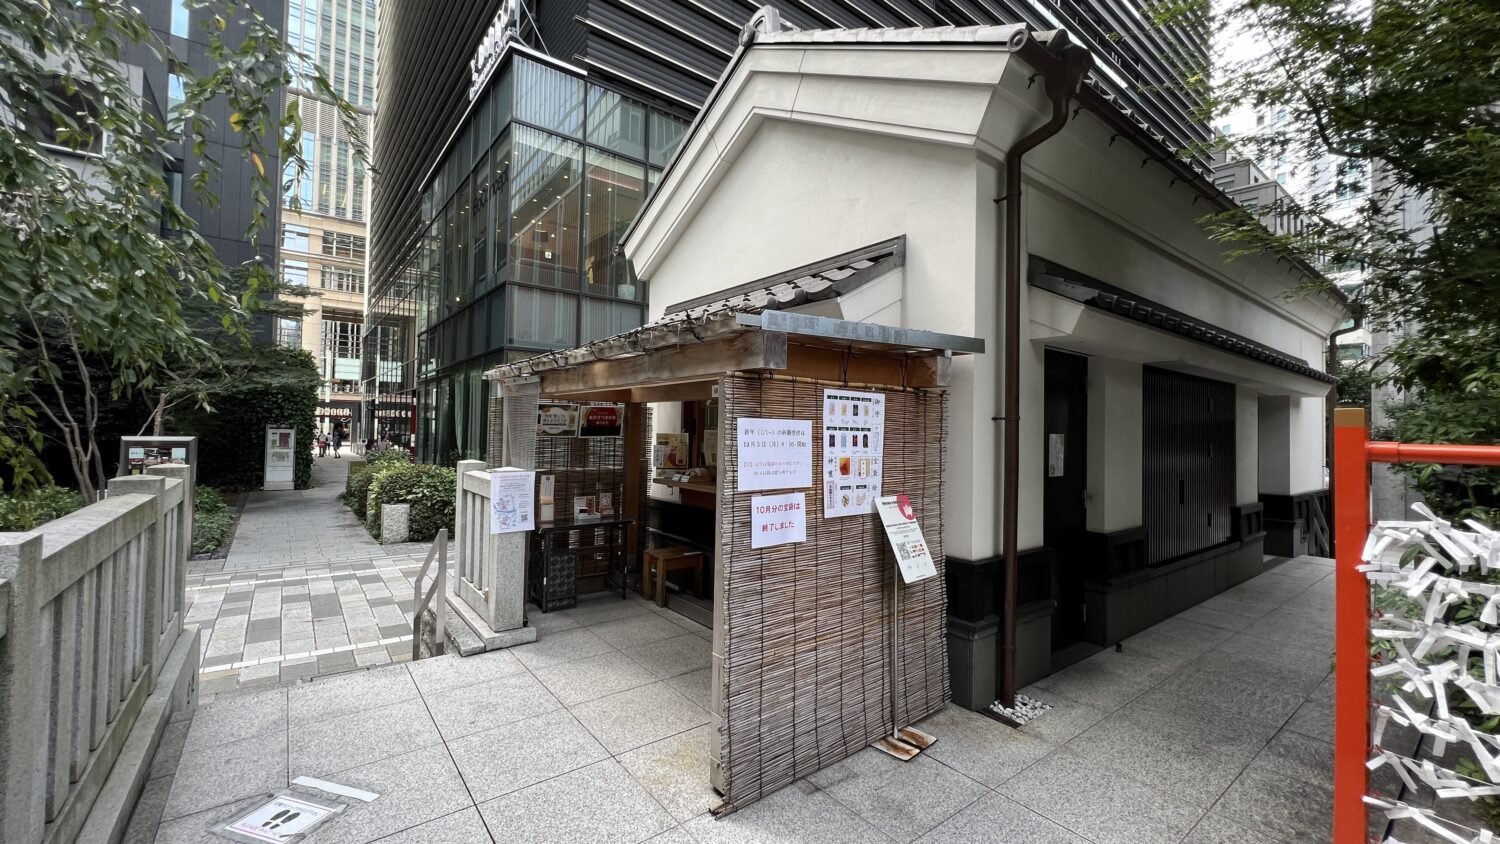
<point>711,489</point>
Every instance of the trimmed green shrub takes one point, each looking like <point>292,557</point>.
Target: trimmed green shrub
<point>356,491</point>
<point>428,489</point>
<point>208,500</point>
<point>393,456</point>
<point>211,530</point>
<point>33,508</point>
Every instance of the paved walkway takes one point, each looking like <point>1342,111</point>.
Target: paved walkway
<point>304,591</point>
<point>1213,726</point>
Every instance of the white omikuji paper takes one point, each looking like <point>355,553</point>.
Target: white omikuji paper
<point>853,442</point>
<point>512,501</point>
<point>778,519</point>
<point>774,454</point>
<point>913,556</point>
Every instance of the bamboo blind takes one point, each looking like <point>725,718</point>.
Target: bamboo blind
<point>804,644</point>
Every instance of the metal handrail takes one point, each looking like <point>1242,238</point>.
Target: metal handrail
<point>438,551</point>
<point>1353,452</point>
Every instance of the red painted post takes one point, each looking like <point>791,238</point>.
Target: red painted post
<point>1351,729</point>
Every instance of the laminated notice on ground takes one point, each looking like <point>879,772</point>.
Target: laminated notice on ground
<point>283,818</point>
<point>901,528</point>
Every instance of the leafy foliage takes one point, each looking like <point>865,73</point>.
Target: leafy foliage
<point>273,386</point>
<point>100,261</point>
<point>1355,382</point>
<point>30,509</point>
<point>393,456</point>
<point>428,489</point>
<point>1396,103</point>
<point>357,491</point>
<point>206,499</point>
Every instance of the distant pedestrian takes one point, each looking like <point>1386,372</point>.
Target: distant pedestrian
<point>385,442</point>
<point>322,445</point>
<point>338,440</point>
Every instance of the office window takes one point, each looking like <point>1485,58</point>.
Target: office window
<point>544,182</point>
<point>343,244</point>
<point>343,279</point>
<point>289,332</point>
<point>616,123</point>
<point>666,134</point>
<point>500,204</point>
<point>180,18</point>
<point>612,194</point>
<point>294,273</point>
<point>296,238</point>
<point>542,319</point>
<point>603,318</point>
<point>549,98</point>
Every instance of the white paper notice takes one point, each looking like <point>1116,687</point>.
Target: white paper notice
<point>282,819</point>
<point>901,528</point>
<point>778,519</point>
<point>512,500</point>
<point>774,454</point>
<point>853,442</point>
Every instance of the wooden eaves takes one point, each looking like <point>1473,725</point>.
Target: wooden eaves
<point>680,358</point>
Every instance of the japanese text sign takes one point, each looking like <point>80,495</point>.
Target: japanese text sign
<point>778,519</point>
<point>774,454</point>
<point>512,501</point>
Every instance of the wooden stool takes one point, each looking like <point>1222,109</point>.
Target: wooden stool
<point>659,561</point>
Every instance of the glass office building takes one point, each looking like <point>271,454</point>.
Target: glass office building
<point>519,223</point>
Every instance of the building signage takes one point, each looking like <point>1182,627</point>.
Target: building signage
<point>778,519</point>
<point>774,454</point>
<point>491,48</point>
<point>557,420</point>
<point>905,535</point>
<point>512,501</point>
<point>601,420</point>
<point>853,442</point>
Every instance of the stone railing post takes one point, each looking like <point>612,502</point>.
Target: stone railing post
<point>465,551</point>
<point>155,564</point>
<point>23,725</point>
<point>177,577</point>
<point>505,565</point>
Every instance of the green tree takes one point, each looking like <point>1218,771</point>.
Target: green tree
<point>1397,101</point>
<point>98,264</point>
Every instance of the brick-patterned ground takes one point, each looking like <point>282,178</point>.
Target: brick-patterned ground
<point>304,591</point>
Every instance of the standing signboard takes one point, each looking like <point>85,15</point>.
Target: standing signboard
<point>281,458</point>
<point>912,554</point>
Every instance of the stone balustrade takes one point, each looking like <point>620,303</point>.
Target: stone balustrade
<point>94,656</point>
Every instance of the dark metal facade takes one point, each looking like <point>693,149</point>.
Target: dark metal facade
<point>1187,463</point>
<point>670,52</point>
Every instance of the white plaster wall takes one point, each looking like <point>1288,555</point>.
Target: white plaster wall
<point>1246,446</point>
<point>800,193</point>
<point>1275,441</point>
<point>1309,419</point>
<point>1114,444</point>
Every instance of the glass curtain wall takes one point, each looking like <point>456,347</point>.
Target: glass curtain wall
<point>521,221</point>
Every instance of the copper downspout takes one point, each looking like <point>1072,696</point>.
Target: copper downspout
<point>1062,80</point>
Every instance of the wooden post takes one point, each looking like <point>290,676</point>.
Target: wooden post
<point>635,482</point>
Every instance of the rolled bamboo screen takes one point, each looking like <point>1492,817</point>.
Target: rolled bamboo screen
<point>804,638</point>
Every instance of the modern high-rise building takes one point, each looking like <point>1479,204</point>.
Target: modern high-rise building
<point>323,240</point>
<point>508,175</point>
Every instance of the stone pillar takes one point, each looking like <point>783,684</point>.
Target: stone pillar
<point>154,565</point>
<point>23,730</point>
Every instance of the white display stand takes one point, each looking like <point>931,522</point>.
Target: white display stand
<point>281,458</point>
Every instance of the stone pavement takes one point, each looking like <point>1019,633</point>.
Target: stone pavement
<point>1213,726</point>
<point>304,591</point>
